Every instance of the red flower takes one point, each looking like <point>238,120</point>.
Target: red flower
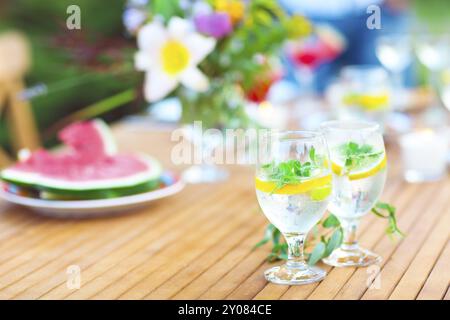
<point>258,92</point>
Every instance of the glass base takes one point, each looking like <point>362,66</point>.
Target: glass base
<point>204,174</point>
<point>294,276</point>
<point>357,257</point>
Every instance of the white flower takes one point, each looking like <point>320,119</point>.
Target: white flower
<point>170,56</point>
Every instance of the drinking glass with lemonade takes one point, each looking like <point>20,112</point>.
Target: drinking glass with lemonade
<point>365,94</point>
<point>294,186</point>
<point>358,163</point>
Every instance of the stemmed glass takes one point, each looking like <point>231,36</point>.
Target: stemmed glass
<point>395,54</point>
<point>365,93</point>
<point>205,143</point>
<point>358,163</point>
<point>293,186</point>
<point>445,92</point>
<point>433,51</point>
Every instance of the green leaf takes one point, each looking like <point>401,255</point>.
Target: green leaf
<point>312,154</point>
<point>348,162</point>
<point>317,253</point>
<point>279,247</point>
<point>334,242</point>
<point>392,228</point>
<point>366,148</point>
<point>103,106</point>
<point>272,257</point>
<point>331,221</point>
<point>166,8</point>
<point>283,256</point>
<point>288,172</point>
<point>270,234</point>
<point>378,213</point>
<point>327,244</point>
<point>276,235</point>
<point>385,206</point>
<point>357,156</point>
<point>279,251</point>
<point>261,243</point>
<point>353,146</point>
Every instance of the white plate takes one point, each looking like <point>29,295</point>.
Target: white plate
<point>91,208</point>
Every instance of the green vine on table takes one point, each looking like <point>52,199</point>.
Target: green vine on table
<point>392,229</point>
<point>329,240</point>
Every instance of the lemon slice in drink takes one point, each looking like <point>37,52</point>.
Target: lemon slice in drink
<point>321,193</point>
<point>320,187</point>
<point>367,101</point>
<point>360,173</point>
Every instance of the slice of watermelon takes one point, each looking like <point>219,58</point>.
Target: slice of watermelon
<point>91,139</point>
<point>89,168</point>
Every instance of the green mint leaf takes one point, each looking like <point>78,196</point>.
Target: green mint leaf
<point>276,235</point>
<point>270,234</point>
<point>260,243</point>
<point>317,254</point>
<point>392,228</point>
<point>312,154</point>
<point>283,256</point>
<point>331,222</point>
<point>288,172</point>
<point>334,242</point>
<point>327,244</point>
<point>378,213</point>
<point>348,162</point>
<point>385,206</point>
<point>356,155</point>
<point>279,251</point>
<point>352,147</point>
<point>272,257</point>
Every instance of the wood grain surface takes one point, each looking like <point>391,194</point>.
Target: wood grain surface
<point>198,245</point>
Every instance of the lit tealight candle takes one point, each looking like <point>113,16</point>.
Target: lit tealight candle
<point>424,155</point>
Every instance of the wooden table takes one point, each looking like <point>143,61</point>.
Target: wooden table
<point>198,245</point>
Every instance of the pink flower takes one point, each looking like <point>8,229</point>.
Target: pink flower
<point>216,25</point>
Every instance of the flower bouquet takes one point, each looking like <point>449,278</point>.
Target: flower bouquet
<point>212,54</point>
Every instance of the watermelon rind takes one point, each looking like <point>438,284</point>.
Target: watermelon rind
<point>39,182</point>
<point>55,194</point>
<point>110,147</point>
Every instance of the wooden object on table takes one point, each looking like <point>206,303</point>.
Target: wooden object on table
<point>199,243</point>
<point>4,158</point>
<point>15,60</point>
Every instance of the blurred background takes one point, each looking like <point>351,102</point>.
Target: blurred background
<point>387,61</point>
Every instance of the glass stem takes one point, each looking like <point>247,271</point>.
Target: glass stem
<point>435,87</point>
<point>350,243</point>
<point>397,86</point>
<point>296,257</point>
<point>398,80</point>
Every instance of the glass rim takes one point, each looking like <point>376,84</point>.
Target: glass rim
<point>358,125</point>
<point>432,35</point>
<point>395,36</point>
<point>302,135</point>
<point>362,70</point>
<point>365,66</point>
